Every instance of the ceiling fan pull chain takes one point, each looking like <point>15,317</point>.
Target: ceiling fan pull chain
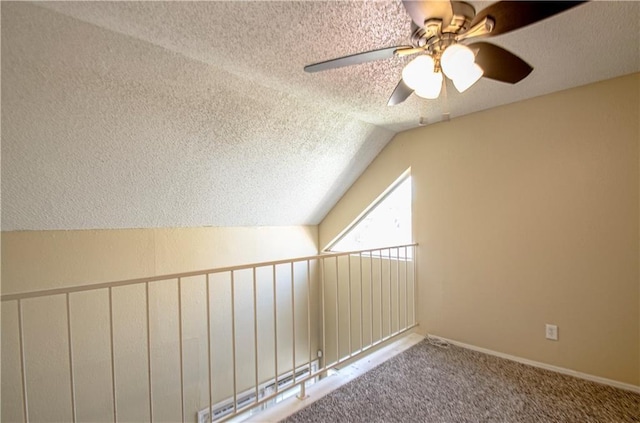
<point>446,115</point>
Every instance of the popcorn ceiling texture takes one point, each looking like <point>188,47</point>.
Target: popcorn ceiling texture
<point>169,114</point>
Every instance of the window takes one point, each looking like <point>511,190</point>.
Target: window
<point>387,223</point>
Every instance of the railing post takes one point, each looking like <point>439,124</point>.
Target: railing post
<point>275,327</point>
<point>324,322</point>
<point>72,381</point>
<point>381,300</point>
<point>415,282</point>
<point>146,291</point>
<point>361,305</point>
<point>233,343</point>
<point>398,288</point>
<point>113,360</point>
<point>337,313</point>
<point>349,304</point>
<point>302,394</point>
<point>309,313</point>
<point>255,330</point>
<point>371,297</point>
<point>180,335</point>
<point>209,349</point>
<point>303,391</point>
<point>23,365</point>
<point>406,291</point>
<point>390,297</point>
<point>293,326</point>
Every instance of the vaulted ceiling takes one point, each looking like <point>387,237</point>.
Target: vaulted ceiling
<point>170,114</point>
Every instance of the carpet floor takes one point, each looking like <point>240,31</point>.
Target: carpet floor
<point>427,383</point>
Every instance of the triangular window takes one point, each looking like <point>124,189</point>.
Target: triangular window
<point>387,222</point>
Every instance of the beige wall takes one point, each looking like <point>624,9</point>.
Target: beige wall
<point>526,214</point>
<point>47,259</point>
<point>33,260</point>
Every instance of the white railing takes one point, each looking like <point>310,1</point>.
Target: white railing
<point>212,343</point>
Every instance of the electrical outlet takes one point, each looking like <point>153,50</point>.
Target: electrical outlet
<point>551,332</point>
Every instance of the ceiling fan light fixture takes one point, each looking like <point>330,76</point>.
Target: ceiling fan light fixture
<point>456,59</point>
<point>417,70</point>
<point>466,79</point>
<point>430,86</point>
<point>438,27</point>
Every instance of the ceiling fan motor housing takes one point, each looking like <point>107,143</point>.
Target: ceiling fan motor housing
<point>440,20</point>
<point>441,27</point>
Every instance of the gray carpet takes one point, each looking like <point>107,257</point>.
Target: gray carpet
<point>431,384</point>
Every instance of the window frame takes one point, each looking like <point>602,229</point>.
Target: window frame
<point>369,209</point>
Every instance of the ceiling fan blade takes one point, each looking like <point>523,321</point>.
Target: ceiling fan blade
<point>423,9</point>
<point>400,94</point>
<point>500,64</point>
<point>512,15</point>
<point>355,59</point>
<point>402,52</point>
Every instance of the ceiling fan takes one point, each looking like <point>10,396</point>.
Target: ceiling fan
<point>439,29</point>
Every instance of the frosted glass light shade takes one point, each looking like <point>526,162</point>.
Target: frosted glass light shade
<point>456,59</point>
<point>416,70</point>
<point>430,86</point>
<point>470,76</point>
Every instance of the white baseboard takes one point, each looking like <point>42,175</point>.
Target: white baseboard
<point>562,370</point>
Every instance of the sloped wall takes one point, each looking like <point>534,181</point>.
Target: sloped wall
<point>526,214</point>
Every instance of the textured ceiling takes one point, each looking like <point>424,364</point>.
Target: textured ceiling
<point>164,114</point>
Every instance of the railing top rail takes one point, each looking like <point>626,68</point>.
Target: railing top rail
<point>114,284</point>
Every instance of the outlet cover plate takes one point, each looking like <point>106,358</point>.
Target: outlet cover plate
<point>551,332</point>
